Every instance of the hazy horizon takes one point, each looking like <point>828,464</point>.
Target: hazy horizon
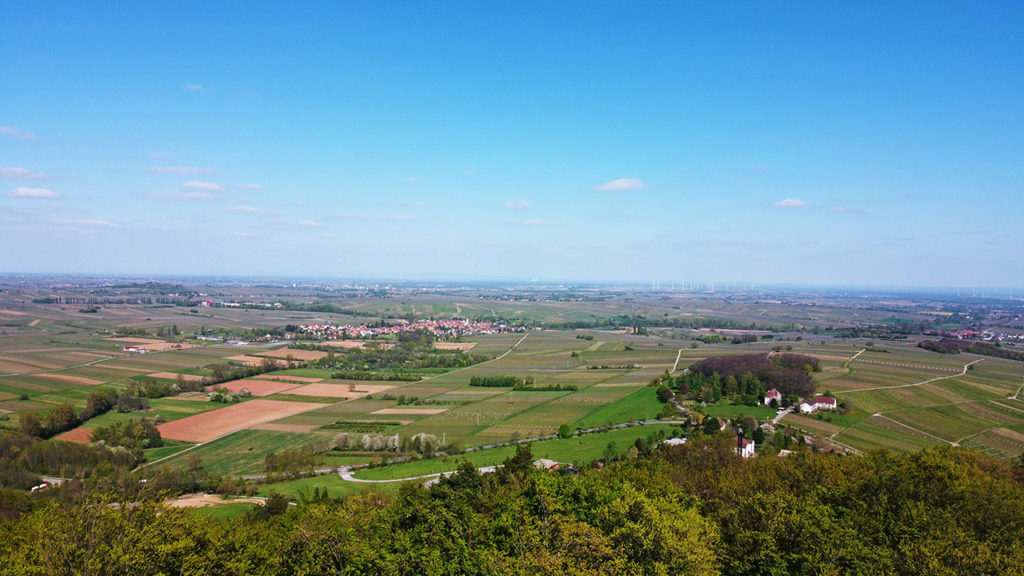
<point>807,145</point>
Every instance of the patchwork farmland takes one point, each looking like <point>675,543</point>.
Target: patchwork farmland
<point>898,396</point>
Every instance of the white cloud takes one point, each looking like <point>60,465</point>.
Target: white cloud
<point>25,192</point>
<point>790,203</point>
<point>194,195</point>
<point>411,179</point>
<point>193,87</point>
<point>246,210</point>
<point>621,185</point>
<point>249,186</point>
<point>519,205</point>
<point>20,173</point>
<point>159,155</point>
<point>88,222</point>
<point>310,223</point>
<point>17,133</point>
<point>247,235</point>
<point>413,203</point>
<point>533,222</point>
<point>396,218</point>
<point>180,170</point>
<point>197,185</point>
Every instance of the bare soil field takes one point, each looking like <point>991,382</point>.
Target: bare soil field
<point>13,364</point>
<point>410,411</point>
<point>329,390</point>
<point>303,355</point>
<point>257,387</point>
<point>356,343</point>
<point>159,345</point>
<point>78,436</point>
<point>173,376</point>
<point>289,378</point>
<point>274,427</point>
<point>247,360</point>
<point>209,425</point>
<point>205,500</point>
<point>80,380</point>
<point>455,345</point>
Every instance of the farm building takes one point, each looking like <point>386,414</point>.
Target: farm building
<point>772,394</point>
<point>744,447</point>
<point>135,349</point>
<point>819,403</point>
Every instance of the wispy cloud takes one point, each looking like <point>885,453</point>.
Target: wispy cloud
<point>532,222</point>
<point>249,186</point>
<point>17,133</point>
<point>519,205</point>
<point>86,222</point>
<point>248,210</point>
<point>790,203</point>
<point>247,235</point>
<point>15,173</point>
<point>197,185</point>
<point>159,155</point>
<point>361,218</point>
<point>180,170</point>
<point>411,179</point>
<point>622,185</point>
<point>310,223</point>
<point>413,203</point>
<point>193,87</point>
<point>846,210</point>
<point>192,195</point>
<point>26,192</point>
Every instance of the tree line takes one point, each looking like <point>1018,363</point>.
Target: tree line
<point>692,509</point>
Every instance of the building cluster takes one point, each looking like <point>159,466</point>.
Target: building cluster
<point>439,328</point>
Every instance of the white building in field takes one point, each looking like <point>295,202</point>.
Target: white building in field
<point>819,403</point>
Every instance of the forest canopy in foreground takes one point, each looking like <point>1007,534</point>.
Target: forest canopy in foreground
<point>694,509</point>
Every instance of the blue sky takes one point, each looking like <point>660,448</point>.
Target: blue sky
<point>820,143</point>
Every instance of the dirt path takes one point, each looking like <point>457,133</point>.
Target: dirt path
<point>675,365</point>
<point>922,432</point>
<point>962,373</point>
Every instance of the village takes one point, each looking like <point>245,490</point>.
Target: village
<point>439,328</point>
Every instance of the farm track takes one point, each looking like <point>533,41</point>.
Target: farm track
<point>922,432</point>
<point>962,373</point>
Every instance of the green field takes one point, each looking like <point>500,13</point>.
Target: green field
<point>900,397</point>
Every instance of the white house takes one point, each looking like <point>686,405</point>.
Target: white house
<point>772,394</point>
<point>674,441</point>
<point>745,448</point>
<point>819,402</point>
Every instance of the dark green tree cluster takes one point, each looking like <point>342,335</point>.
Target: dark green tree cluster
<point>135,435</point>
<point>694,509</point>
<point>746,377</point>
<point>414,351</point>
<point>505,381</point>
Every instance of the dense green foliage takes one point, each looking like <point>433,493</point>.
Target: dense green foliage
<point>749,375</point>
<point>505,381</point>
<point>951,346</point>
<point>694,509</point>
<point>135,435</point>
<point>413,351</point>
